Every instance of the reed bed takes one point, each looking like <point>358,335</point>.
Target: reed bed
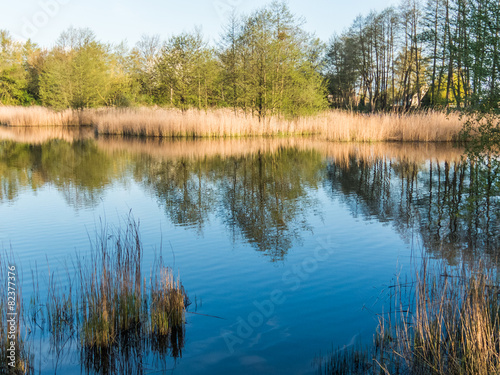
<point>428,126</point>
<point>334,125</point>
<point>451,326</point>
<point>41,116</point>
<point>331,125</point>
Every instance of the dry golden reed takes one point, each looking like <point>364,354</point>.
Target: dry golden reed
<point>343,126</point>
<point>450,325</point>
<point>455,326</point>
<point>39,116</point>
<point>114,302</point>
<point>332,125</point>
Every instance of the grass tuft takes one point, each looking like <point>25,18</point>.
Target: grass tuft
<point>120,313</point>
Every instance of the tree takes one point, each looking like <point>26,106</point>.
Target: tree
<point>230,59</point>
<point>187,72</point>
<point>272,64</point>
<point>81,72</point>
<point>13,76</point>
<point>143,62</point>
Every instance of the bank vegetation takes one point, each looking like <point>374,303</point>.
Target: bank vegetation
<point>334,125</point>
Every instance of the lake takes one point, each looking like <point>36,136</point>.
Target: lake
<point>286,247</point>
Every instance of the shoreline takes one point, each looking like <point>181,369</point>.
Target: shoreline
<point>332,125</point>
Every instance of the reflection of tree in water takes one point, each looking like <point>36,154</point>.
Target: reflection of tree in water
<point>14,171</point>
<point>453,205</point>
<point>182,187</point>
<point>79,170</point>
<point>262,197</point>
<point>265,198</point>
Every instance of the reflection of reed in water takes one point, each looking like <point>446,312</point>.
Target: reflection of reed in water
<point>340,152</point>
<point>37,135</point>
<point>229,147</point>
<point>263,186</point>
<point>429,186</point>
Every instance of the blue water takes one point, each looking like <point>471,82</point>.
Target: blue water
<point>254,309</point>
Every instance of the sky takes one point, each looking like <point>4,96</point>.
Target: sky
<point>115,21</point>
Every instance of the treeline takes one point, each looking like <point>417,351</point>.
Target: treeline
<point>264,64</point>
<point>438,54</point>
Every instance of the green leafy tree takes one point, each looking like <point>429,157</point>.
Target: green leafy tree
<point>81,72</point>
<point>187,72</point>
<point>143,63</point>
<point>271,64</point>
<point>13,75</point>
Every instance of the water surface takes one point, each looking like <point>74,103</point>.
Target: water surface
<point>286,247</point>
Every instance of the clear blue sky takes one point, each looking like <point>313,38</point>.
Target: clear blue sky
<point>118,20</point>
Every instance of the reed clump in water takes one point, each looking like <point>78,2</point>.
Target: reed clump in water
<point>167,305</point>
<point>60,310</point>
<point>334,125</point>
<point>451,326</point>
<point>103,306</point>
<point>118,313</point>
<point>167,312</point>
<point>110,299</point>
